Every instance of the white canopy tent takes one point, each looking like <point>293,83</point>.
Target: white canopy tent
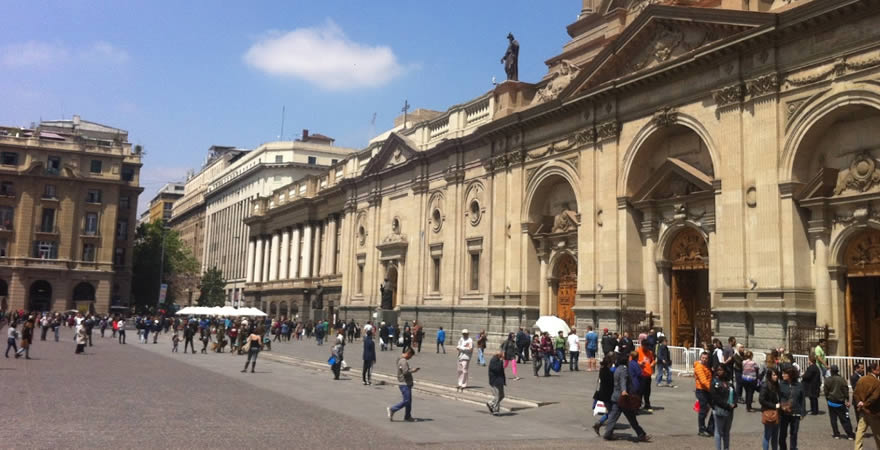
<point>552,325</point>
<point>220,311</point>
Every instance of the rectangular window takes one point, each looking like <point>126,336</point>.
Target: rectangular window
<point>4,245</point>
<point>475,271</point>
<point>9,158</point>
<point>436,286</point>
<point>46,249</point>
<point>49,191</point>
<point>47,223</point>
<point>279,158</point>
<point>168,206</point>
<point>53,167</point>
<point>91,225</point>
<point>124,202</point>
<point>360,278</point>
<point>313,160</point>
<point>88,252</point>
<point>7,215</point>
<point>119,256</point>
<point>7,189</point>
<point>93,196</point>
<point>334,161</point>
<point>96,166</point>
<point>127,173</point>
<point>122,229</point>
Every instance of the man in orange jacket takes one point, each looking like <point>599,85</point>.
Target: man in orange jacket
<point>646,362</point>
<point>703,377</point>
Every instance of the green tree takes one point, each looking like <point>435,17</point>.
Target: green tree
<point>212,288</point>
<point>150,238</point>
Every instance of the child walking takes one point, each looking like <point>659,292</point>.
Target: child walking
<point>174,341</point>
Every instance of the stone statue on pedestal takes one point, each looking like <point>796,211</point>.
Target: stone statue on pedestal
<point>511,59</point>
<point>387,292</point>
<point>318,299</point>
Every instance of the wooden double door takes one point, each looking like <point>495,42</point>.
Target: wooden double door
<point>863,315</point>
<point>566,292</point>
<point>690,308</point>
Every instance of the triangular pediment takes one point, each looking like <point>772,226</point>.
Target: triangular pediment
<point>821,186</point>
<point>674,178</point>
<point>662,36</point>
<point>395,151</point>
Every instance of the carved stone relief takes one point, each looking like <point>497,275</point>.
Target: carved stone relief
<point>608,130</point>
<point>763,85</point>
<point>665,117</point>
<point>559,81</point>
<point>862,175</point>
<point>729,95</point>
<point>838,68</point>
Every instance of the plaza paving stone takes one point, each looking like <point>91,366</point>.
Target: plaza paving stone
<point>143,395</point>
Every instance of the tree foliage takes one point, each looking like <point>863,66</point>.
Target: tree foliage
<point>212,288</point>
<point>178,261</point>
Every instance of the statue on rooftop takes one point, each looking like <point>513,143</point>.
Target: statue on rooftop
<point>511,59</point>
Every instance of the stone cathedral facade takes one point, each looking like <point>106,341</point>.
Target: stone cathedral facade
<point>708,167</point>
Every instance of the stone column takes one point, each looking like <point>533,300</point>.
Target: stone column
<point>285,255</point>
<point>542,287</point>
<point>267,251</point>
<point>294,254</point>
<point>273,257</point>
<point>316,258</point>
<point>331,247</point>
<point>251,248</point>
<point>306,269</point>
<point>823,282</point>
<point>258,264</point>
<point>649,266</point>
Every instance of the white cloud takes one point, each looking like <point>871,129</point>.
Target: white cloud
<point>324,56</point>
<point>51,54</point>
<point>32,53</point>
<point>104,51</point>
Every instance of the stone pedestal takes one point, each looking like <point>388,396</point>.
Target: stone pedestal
<point>386,315</point>
<point>318,315</point>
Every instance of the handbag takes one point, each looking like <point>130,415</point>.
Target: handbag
<point>332,360</point>
<point>557,365</point>
<point>630,402</point>
<point>769,417</point>
<point>600,408</point>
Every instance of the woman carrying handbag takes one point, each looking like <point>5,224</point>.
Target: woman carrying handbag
<point>770,404</point>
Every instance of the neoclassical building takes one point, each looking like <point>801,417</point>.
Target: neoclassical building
<point>709,167</point>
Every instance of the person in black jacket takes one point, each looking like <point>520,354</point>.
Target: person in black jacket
<point>723,403</point>
<point>369,358</point>
<point>608,342</point>
<point>497,381</point>
<point>791,394</point>
<point>858,372</point>
<point>605,389</point>
<point>770,401</point>
<point>812,381</point>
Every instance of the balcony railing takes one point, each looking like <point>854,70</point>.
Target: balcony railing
<point>46,229</point>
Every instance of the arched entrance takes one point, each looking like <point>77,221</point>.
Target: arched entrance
<point>566,287</point>
<point>84,292</point>
<point>40,296</point>
<point>4,295</point>
<point>862,259</point>
<point>391,276</point>
<point>690,308</point>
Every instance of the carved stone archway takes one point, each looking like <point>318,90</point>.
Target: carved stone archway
<point>862,302</point>
<point>686,264</point>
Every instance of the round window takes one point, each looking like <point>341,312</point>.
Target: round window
<point>437,220</point>
<point>475,212</point>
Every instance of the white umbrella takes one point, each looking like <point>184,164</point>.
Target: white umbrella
<point>248,311</point>
<point>552,325</point>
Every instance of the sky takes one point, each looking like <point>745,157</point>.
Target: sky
<point>182,76</point>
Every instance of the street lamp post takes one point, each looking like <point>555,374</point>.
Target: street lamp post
<point>159,299</point>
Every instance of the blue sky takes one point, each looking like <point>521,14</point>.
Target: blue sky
<point>182,76</point>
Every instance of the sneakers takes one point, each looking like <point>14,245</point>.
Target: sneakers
<point>409,419</point>
<point>596,427</point>
<point>835,436</point>
<point>644,438</point>
<point>491,410</point>
<point>390,414</point>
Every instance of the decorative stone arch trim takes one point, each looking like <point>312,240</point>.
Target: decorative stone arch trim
<point>844,238</point>
<point>814,110</point>
<point>554,168</point>
<point>668,236</point>
<point>652,126</point>
<point>555,256</point>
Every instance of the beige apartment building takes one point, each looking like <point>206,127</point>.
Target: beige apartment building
<point>708,167</point>
<point>162,204</point>
<point>68,201</point>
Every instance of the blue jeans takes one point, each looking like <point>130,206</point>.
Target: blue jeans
<point>56,330</point>
<point>406,403</point>
<point>771,436</point>
<point>547,361</point>
<point>573,361</point>
<point>788,427</point>
<point>661,367</point>
<point>481,360</point>
<point>722,431</point>
<point>703,397</point>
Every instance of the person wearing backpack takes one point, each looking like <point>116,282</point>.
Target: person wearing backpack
<point>624,401</point>
<point>664,362</point>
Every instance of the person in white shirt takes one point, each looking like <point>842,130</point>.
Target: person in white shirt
<point>574,350</point>
<point>465,350</point>
<point>121,330</point>
<point>368,328</point>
